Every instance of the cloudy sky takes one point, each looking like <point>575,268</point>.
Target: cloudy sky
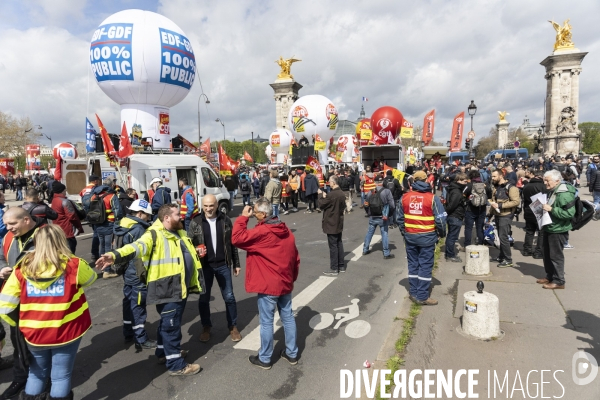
<point>413,55</point>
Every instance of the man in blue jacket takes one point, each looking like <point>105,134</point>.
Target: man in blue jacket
<point>422,222</point>
<point>162,195</point>
<point>127,231</point>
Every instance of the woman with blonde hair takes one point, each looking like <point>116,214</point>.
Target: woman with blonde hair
<point>44,297</point>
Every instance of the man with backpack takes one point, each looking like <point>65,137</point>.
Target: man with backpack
<point>344,183</point>
<point>455,208</point>
<point>37,208</point>
<point>245,189</point>
<point>127,231</point>
<point>396,188</point>
<point>67,217</point>
<point>477,194</point>
<point>104,211</point>
<point>504,202</point>
<point>379,202</point>
<point>86,195</point>
<point>561,207</point>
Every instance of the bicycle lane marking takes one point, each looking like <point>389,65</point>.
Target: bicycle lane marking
<point>358,252</point>
<point>251,341</point>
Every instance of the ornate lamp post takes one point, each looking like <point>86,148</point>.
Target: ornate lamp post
<point>223,125</point>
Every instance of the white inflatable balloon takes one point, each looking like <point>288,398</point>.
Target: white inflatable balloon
<point>313,115</point>
<point>280,141</point>
<point>144,62</point>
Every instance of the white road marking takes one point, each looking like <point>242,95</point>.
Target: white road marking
<point>358,252</point>
<point>251,341</point>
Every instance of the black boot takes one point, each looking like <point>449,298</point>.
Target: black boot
<point>25,396</point>
<point>68,397</point>
<point>13,390</point>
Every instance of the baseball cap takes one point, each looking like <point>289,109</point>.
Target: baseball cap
<point>155,180</point>
<point>94,178</point>
<point>419,176</point>
<point>141,205</point>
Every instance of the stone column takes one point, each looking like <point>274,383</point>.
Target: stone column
<point>502,128</point>
<point>562,72</point>
<point>286,93</point>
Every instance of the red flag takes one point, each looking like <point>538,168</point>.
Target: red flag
<point>109,150</point>
<point>226,165</point>
<point>188,147</point>
<point>125,149</point>
<point>457,131</point>
<point>205,147</point>
<point>247,156</point>
<point>57,170</point>
<point>313,163</point>
<point>428,127</point>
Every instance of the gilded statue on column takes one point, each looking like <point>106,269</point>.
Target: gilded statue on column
<point>502,115</point>
<point>563,36</point>
<point>286,65</point>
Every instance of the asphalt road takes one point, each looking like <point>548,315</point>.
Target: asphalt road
<point>107,368</point>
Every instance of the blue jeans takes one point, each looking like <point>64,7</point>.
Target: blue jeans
<point>246,199</point>
<point>597,200</point>
<point>420,265</point>
<point>56,363</point>
<point>266,314</point>
<point>454,225</point>
<point>168,334</point>
<point>134,312</point>
<point>383,227</point>
<point>19,194</point>
<point>95,244</point>
<point>223,275</point>
<point>476,218</point>
<point>275,210</point>
<point>105,234</point>
<point>231,200</point>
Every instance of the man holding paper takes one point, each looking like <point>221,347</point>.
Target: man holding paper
<point>555,234</point>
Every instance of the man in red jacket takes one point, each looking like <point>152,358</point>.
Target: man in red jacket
<point>67,219</point>
<point>272,263</point>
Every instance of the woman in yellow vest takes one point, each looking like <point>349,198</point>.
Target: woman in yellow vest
<point>44,297</point>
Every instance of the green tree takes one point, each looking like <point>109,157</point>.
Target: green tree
<point>591,137</point>
<point>15,134</point>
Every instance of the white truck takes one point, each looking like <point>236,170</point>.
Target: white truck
<point>142,168</point>
<point>393,155</point>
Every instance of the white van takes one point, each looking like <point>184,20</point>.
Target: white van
<point>140,171</point>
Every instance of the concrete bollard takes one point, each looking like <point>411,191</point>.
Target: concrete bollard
<point>481,315</point>
<point>478,260</point>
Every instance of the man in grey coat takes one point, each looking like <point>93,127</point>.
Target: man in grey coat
<point>379,210</point>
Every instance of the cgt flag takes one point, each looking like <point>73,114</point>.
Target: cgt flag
<point>457,131</point>
<point>226,165</point>
<point>125,149</point>
<point>109,150</point>
<point>247,157</point>
<point>205,147</point>
<point>406,129</point>
<point>313,163</point>
<point>188,147</point>
<point>428,127</point>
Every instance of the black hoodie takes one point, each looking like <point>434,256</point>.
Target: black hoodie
<point>455,201</point>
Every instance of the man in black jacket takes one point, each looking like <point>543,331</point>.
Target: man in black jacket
<point>531,188</point>
<point>594,184</point>
<point>332,204</point>
<point>37,208</point>
<point>344,184</point>
<point>396,188</point>
<point>475,215</point>
<point>455,208</point>
<point>210,232</point>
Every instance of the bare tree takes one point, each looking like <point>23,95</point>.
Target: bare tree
<point>15,134</point>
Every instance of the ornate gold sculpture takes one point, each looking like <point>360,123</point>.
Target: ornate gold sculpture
<point>286,65</point>
<point>563,36</point>
<point>502,115</point>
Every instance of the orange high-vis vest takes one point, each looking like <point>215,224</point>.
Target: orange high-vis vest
<point>110,213</point>
<point>56,315</point>
<point>184,207</point>
<point>86,189</point>
<point>369,185</point>
<point>418,212</point>
<point>150,195</point>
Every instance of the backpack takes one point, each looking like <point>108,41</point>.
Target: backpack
<point>478,196</point>
<point>584,211</point>
<point>560,168</point>
<point>96,214</point>
<point>245,186</point>
<point>376,204</point>
<point>140,268</point>
<point>81,214</point>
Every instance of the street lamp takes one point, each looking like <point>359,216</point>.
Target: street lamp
<point>472,109</point>
<point>223,125</point>
<point>207,102</point>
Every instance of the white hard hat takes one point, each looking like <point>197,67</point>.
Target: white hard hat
<point>155,180</point>
<point>141,205</point>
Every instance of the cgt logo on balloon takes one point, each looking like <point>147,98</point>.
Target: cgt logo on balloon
<point>300,118</point>
<point>332,116</point>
